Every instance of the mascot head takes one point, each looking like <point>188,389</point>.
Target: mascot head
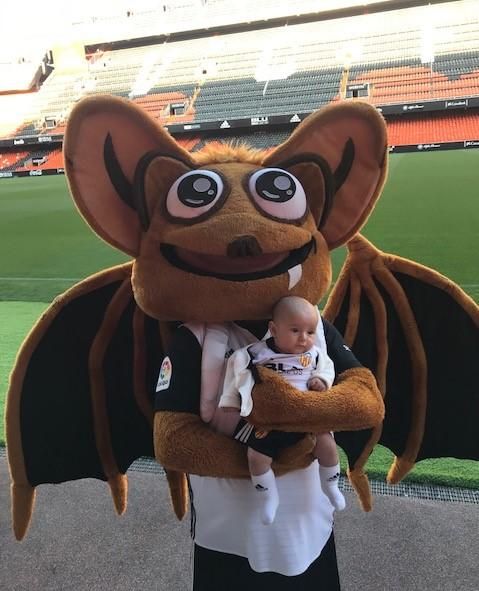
<point>223,234</point>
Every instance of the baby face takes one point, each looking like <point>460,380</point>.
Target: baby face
<point>294,332</point>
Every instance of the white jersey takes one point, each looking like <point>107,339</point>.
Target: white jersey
<point>297,369</point>
<point>225,520</point>
<point>225,517</point>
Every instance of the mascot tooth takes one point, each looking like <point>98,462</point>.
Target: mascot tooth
<point>295,276</point>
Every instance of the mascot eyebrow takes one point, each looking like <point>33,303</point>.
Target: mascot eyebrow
<point>79,402</point>
<point>133,194</point>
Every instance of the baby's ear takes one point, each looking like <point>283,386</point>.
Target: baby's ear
<point>272,328</point>
<point>105,141</point>
<point>339,154</point>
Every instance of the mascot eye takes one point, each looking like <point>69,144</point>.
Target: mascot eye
<point>278,193</point>
<point>194,194</point>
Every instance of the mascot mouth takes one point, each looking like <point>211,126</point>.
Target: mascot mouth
<point>247,268</point>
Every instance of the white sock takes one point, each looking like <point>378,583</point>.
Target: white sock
<point>267,494</point>
<point>329,476</point>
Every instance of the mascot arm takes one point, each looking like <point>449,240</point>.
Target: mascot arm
<point>354,403</point>
<point>184,443</point>
<point>353,408</point>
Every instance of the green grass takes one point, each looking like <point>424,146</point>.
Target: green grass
<point>440,472</point>
<point>428,212</point>
<point>45,245</point>
<point>16,320</point>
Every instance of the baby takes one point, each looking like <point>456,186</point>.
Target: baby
<point>294,352</point>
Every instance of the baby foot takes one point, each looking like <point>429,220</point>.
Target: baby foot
<point>267,495</point>
<point>336,498</point>
<point>329,476</point>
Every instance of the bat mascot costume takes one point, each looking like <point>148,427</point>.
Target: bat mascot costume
<point>216,239</point>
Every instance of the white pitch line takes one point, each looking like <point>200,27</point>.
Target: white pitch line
<point>463,285</point>
<point>40,278</point>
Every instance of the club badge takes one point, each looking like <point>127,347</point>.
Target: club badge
<point>165,375</point>
<point>260,434</point>
<point>305,359</point>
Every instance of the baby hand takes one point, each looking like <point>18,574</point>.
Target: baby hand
<point>317,384</point>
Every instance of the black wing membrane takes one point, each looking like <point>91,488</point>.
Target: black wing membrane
<point>78,404</point>
<point>419,334</point>
<point>450,336</point>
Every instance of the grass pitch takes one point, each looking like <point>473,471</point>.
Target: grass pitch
<point>429,212</point>
<point>46,245</point>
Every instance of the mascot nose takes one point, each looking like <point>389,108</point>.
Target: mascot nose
<point>244,246</point>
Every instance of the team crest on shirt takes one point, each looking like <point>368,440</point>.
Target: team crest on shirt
<point>305,359</point>
<point>164,379</point>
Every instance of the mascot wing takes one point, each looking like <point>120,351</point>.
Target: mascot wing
<point>419,333</point>
<point>78,404</point>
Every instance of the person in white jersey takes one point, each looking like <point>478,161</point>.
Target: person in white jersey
<point>297,551</point>
<point>300,357</point>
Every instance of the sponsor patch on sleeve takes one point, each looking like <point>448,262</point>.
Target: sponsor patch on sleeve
<point>164,379</point>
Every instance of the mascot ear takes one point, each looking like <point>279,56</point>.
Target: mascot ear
<point>349,141</point>
<point>105,140</point>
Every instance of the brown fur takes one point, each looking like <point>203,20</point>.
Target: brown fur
<point>222,153</point>
<point>156,283</point>
<point>98,349</point>
<point>178,485</point>
<point>353,403</point>
<point>206,453</point>
<point>360,483</point>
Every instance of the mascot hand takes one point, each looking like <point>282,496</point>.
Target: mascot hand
<point>352,404</point>
<point>183,442</point>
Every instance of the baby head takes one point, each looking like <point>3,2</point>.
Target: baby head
<point>293,326</point>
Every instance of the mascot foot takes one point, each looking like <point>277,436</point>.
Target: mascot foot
<point>267,495</point>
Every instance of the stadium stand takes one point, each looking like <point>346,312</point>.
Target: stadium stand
<point>246,97</point>
<point>53,159</point>
<point>434,128</point>
<point>33,160</point>
<point>282,69</point>
<point>260,140</point>
<point>450,78</point>
<point>9,161</point>
<point>437,128</point>
<point>422,53</point>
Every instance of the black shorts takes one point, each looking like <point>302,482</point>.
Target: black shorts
<point>269,443</point>
<point>217,571</point>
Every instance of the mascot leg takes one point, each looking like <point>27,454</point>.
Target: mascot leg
<point>216,571</point>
